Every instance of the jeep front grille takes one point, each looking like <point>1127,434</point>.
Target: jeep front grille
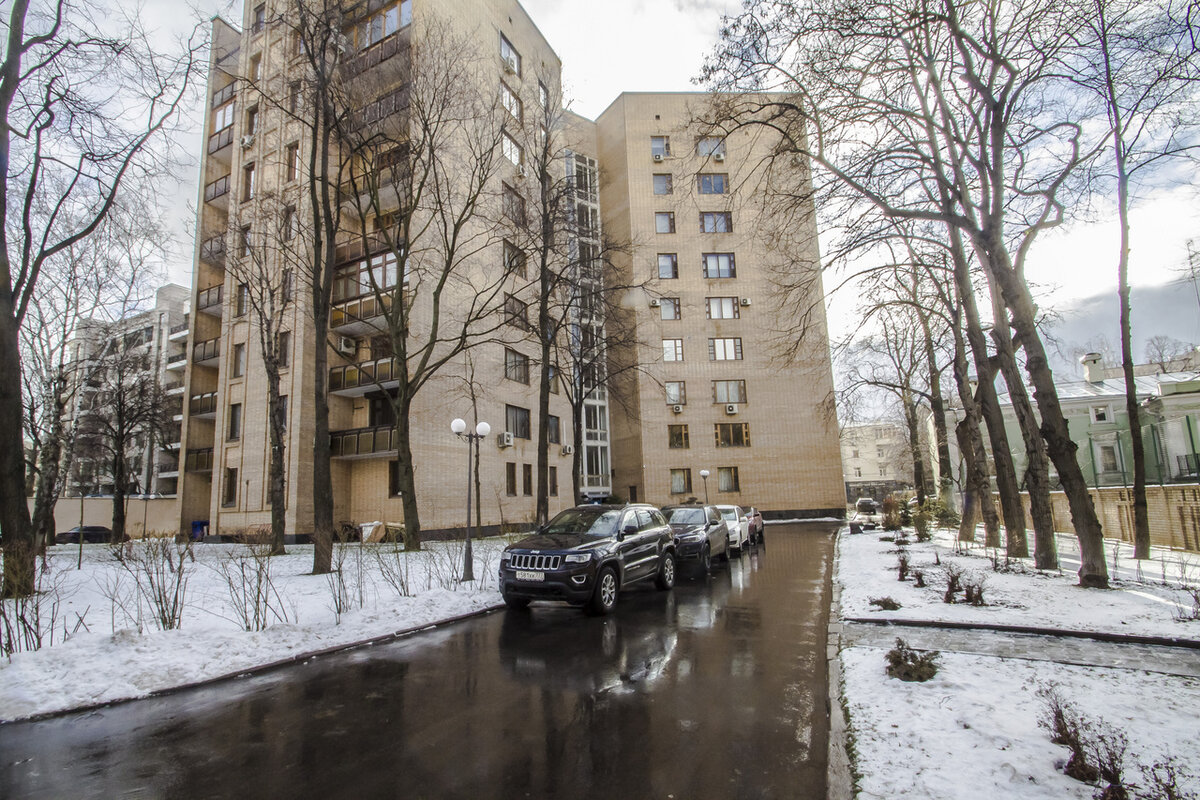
<point>534,562</point>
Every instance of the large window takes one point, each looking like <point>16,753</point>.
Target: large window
<point>719,265</point>
<point>727,349</point>
<point>291,159</point>
<point>722,307</point>
<point>527,480</point>
<point>669,306</point>
<point>512,104</point>
<point>716,222</point>
<point>712,183</point>
<point>510,478</point>
<point>516,312</point>
<point>710,146</point>
<point>512,59</point>
<point>234,431</point>
<point>732,434</point>
<point>677,437</point>
<point>553,429</point>
<point>664,222</point>
<point>516,366</point>
<point>514,259</point>
<point>672,349</point>
<point>729,391</point>
<point>223,117</point>
<point>248,184</point>
<point>681,481</point>
<point>660,146</point>
<point>513,205</point>
<point>663,184</point>
<point>378,273</point>
<point>727,479</point>
<point>676,393</point>
<point>668,265</point>
<point>229,491</point>
<point>512,151</point>
<point>238,368</point>
<point>381,24</point>
<point>516,421</point>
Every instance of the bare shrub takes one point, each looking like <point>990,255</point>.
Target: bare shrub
<point>125,603</point>
<point>160,574</point>
<point>891,514</point>
<point>902,567</point>
<point>908,664</point>
<point>392,562</point>
<point>973,584</point>
<point>1070,728</point>
<point>253,598</point>
<point>29,623</point>
<point>919,578</point>
<point>1110,748</point>
<point>336,579</point>
<point>954,575</point>
<point>444,565</point>
<point>1165,780</point>
<point>1182,612</point>
<point>885,603</point>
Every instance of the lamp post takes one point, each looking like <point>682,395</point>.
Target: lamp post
<point>459,427</point>
<point>704,477</point>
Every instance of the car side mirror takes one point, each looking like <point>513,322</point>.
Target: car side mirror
<point>628,530</point>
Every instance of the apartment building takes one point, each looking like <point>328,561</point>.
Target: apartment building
<point>252,192</point>
<point>877,460</point>
<point>142,354</point>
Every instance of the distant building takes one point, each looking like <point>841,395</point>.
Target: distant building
<point>876,460</point>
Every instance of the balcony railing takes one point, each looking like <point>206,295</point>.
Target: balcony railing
<point>1189,464</point>
<point>203,404</point>
<point>368,373</point>
<point>213,249</point>
<point>180,328</point>
<point>175,358</point>
<point>199,460</point>
<point>212,296</point>
<point>220,139</point>
<point>360,246</point>
<point>223,95</point>
<point>376,54</point>
<point>216,189</point>
<point>206,350</point>
<point>359,310</point>
<point>362,441</point>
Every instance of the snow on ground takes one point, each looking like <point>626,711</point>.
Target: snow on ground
<point>119,653</point>
<point>867,569</point>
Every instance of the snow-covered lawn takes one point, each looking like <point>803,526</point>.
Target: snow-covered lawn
<point>118,652</point>
<point>972,731</point>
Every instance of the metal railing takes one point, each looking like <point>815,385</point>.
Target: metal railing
<point>362,441</point>
<point>359,309</point>
<point>221,139</point>
<point>367,373</point>
<point>203,404</point>
<point>212,296</point>
<point>213,249</point>
<point>223,95</point>
<point>199,460</point>
<point>218,188</point>
<point>180,328</point>
<point>206,350</point>
<point>175,358</point>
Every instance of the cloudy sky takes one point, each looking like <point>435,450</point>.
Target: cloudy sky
<point>659,45</point>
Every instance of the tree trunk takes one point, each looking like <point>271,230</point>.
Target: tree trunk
<point>542,507</point>
<point>276,486</point>
<point>914,447</point>
<point>937,407</point>
<point>120,489</point>
<point>16,531</point>
<point>49,476</point>
<point>408,481</point>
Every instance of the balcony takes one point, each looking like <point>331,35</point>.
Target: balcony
<point>177,360</point>
<point>217,193</point>
<point>355,380</point>
<point>223,95</point>
<point>203,405</point>
<point>199,460</point>
<point>379,440</point>
<point>173,388</point>
<point>219,145</point>
<point>212,250</point>
<point>209,300</point>
<point>361,315</point>
<point>207,352</point>
<point>382,54</point>
<point>179,332</point>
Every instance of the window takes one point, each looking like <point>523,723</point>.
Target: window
<point>247,182</point>
<point>223,117</point>
<point>669,306</point>
<point>710,146</point>
<point>291,159</point>
<point>293,101</point>
<point>553,379</point>
<point>554,429</point>
<point>879,452</point>
<point>516,312</point>
<point>256,67</point>
<point>543,95</point>
<point>664,222</point>
<point>383,23</point>
<point>234,431</point>
<point>244,238</point>
<point>527,480</point>
<point>513,204</point>
<point>510,479</point>
<point>730,392</point>
<point>393,479</point>
<point>725,349</point>
<point>668,265</point>
<point>716,222</point>
<point>677,437</point>
<point>512,151</point>
<point>854,453</point>
<point>516,366</point>
<point>512,59</point>
<point>681,481</point>
<point>858,472</point>
<point>285,348</point>
<point>672,349</point>
<point>663,184</point>
<point>229,495</point>
<point>552,481</point>
<point>512,104</point>
<point>719,265</point>
<point>722,307</point>
<point>514,259</point>
<point>1100,414</point>
<point>287,231</point>
<point>283,409</point>
<point>712,183</point>
<point>516,421</point>
<point>1108,458</point>
<point>239,360</point>
<point>242,301</point>
<point>660,146</point>
<point>259,20</point>
<point>251,121</point>
<point>727,479</point>
<point>732,434</point>
<point>676,393</point>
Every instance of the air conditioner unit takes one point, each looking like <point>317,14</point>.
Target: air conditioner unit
<point>504,439</point>
<point>248,140</point>
<point>347,346</point>
<point>658,156</point>
<point>655,302</point>
<point>745,302</point>
<point>718,156</point>
<point>510,66</point>
<point>677,408</point>
<point>568,449</point>
<point>731,408</point>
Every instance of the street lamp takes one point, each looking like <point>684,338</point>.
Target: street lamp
<point>459,427</point>
<point>704,477</point>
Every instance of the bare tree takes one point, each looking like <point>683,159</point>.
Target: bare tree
<point>1163,350</point>
<point>83,101</point>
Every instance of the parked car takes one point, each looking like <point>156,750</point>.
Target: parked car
<point>739,527</point>
<point>587,555</point>
<point>92,534</point>
<point>701,534</point>
<point>756,524</point>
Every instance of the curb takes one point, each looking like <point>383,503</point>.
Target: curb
<point>261,668</point>
<point>839,780</point>
<point>1100,636</point>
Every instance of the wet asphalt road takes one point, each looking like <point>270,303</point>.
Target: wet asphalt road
<point>715,690</point>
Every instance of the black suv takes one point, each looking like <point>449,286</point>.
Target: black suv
<point>587,554</point>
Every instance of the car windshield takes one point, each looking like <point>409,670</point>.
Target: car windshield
<point>597,522</point>
<point>729,513</point>
<point>686,516</point>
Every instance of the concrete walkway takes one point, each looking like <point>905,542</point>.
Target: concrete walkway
<point>1062,650</point>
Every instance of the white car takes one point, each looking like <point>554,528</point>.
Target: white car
<point>739,527</point>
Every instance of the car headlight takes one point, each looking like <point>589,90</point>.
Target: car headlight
<point>577,558</point>
<point>505,556</point>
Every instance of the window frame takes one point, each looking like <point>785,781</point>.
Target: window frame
<point>510,55</point>
<point>667,182</point>
<point>669,303</point>
<point>731,434</point>
<point>233,426</point>
<point>732,473</point>
<point>739,383</point>
<point>718,259</point>
<point>707,183</point>
<point>674,261</point>
<point>716,218</point>
<point>517,421</point>
<point>516,366</point>
<point>675,354</point>
<point>682,388</point>
<point>677,437</point>
<point>721,304</point>
<point>738,353</point>
<point>667,217</point>
<point>686,474</point>
<point>660,146</point>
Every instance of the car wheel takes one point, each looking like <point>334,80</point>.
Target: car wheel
<point>666,572</point>
<point>516,603</point>
<point>604,598</point>
<point>705,565</point>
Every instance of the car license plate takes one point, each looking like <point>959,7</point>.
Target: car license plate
<point>522,575</point>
